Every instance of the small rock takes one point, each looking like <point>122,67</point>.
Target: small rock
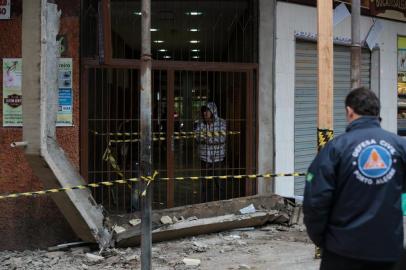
<point>232,237</point>
<point>282,218</point>
<point>282,229</point>
<point>166,220</point>
<point>79,250</point>
<point>135,222</point>
<point>16,263</point>
<point>112,260</point>
<point>118,229</point>
<point>93,257</point>
<point>241,243</point>
<point>250,209</point>
<point>191,262</point>
<point>244,229</point>
<point>54,261</point>
<point>268,229</point>
<point>133,257</point>
<point>192,218</point>
<point>244,267</point>
<point>55,254</point>
<point>200,247</point>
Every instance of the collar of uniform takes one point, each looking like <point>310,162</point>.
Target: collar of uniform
<point>364,122</point>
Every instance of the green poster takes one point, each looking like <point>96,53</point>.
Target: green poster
<point>404,204</point>
<point>12,94</point>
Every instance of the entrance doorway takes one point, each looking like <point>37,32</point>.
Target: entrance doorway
<point>204,51</point>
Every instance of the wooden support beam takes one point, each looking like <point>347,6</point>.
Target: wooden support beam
<point>325,63</point>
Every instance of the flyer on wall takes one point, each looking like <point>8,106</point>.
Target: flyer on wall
<point>402,66</point>
<point>12,94</point>
<point>64,117</point>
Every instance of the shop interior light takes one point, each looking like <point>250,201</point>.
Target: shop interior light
<point>158,41</point>
<point>195,57</point>
<point>162,50</point>
<point>137,13</point>
<point>195,50</point>
<point>194,41</point>
<point>154,30</point>
<point>194,13</point>
<point>167,57</point>
<point>194,29</point>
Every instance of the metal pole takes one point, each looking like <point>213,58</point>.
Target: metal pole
<point>356,44</point>
<point>146,147</point>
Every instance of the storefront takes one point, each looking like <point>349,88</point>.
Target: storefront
<point>401,67</point>
<point>295,81</point>
<point>203,51</point>
<point>306,99</point>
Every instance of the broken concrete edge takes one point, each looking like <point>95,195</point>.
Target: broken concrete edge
<point>210,209</point>
<point>88,223</point>
<point>132,236</point>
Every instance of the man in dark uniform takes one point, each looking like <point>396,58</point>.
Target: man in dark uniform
<point>352,200</point>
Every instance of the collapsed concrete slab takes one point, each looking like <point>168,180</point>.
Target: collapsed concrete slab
<point>40,100</point>
<point>207,218</point>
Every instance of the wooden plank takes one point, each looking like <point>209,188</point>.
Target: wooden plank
<point>325,63</point>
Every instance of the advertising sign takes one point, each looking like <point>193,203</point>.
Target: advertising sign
<point>64,117</point>
<point>12,94</point>
<point>5,6</point>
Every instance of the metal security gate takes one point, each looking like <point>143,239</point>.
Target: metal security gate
<point>306,99</point>
<point>110,131</point>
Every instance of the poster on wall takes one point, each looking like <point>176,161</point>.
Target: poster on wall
<point>402,66</point>
<point>5,6</point>
<point>64,117</point>
<point>402,54</point>
<point>12,94</point>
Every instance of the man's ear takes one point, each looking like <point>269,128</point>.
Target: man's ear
<point>349,110</point>
<point>349,113</point>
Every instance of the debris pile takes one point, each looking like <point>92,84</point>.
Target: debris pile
<point>239,247</point>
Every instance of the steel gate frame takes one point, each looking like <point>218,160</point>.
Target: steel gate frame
<point>171,67</point>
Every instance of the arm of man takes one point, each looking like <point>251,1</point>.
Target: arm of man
<point>198,131</point>
<point>319,188</point>
<point>221,128</point>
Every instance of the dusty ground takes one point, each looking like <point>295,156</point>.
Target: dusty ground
<point>270,247</point>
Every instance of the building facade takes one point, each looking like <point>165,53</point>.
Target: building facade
<point>256,59</point>
<point>296,78</point>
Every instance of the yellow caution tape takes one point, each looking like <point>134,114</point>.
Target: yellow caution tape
<point>177,135</point>
<point>323,137</point>
<point>148,180</point>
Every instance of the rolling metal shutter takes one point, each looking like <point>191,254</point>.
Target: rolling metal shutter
<point>306,100</point>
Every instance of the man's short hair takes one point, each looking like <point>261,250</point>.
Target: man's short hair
<point>363,101</point>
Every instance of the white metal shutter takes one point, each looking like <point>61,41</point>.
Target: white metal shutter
<point>306,100</point>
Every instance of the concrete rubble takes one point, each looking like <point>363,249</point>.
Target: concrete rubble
<point>212,217</point>
<point>235,250</point>
<point>191,262</point>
